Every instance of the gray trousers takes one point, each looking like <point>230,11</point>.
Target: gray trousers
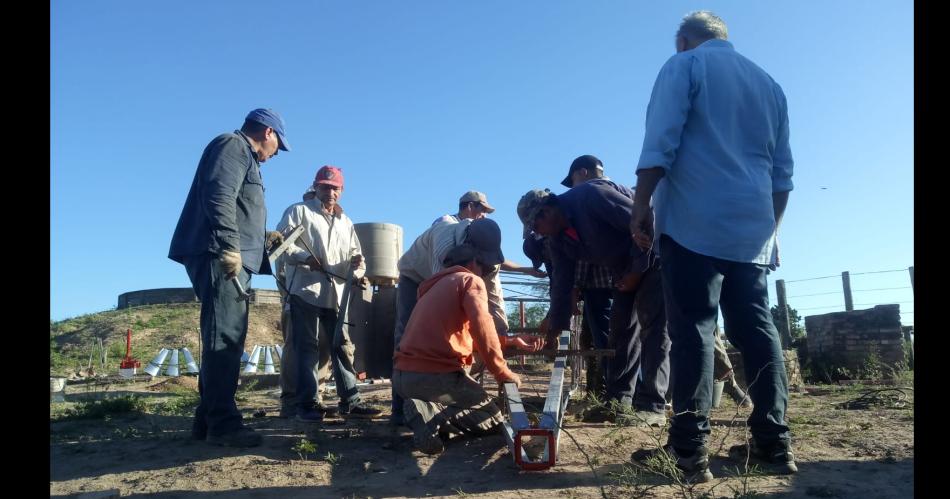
<point>321,370</point>
<point>447,403</point>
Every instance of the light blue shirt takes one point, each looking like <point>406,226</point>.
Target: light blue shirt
<point>718,125</point>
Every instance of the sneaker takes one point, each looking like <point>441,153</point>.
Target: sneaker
<point>776,457</point>
<point>360,410</point>
<point>242,437</point>
<point>428,443</point>
<point>649,418</point>
<point>695,467</point>
<point>310,416</point>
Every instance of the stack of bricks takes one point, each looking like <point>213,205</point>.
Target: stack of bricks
<point>851,338</point>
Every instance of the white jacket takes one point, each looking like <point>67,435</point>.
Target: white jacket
<point>424,259</point>
<point>333,240</point>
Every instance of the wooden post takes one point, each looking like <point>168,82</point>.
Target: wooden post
<point>523,324</point>
<point>784,327</point>
<point>846,282</point>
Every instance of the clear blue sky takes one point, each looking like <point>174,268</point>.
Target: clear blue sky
<point>421,101</point>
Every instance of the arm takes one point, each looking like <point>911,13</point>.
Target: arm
<point>482,329</point>
<point>222,179</point>
<point>562,282</point>
<point>496,301</point>
<point>641,222</point>
<point>514,267</point>
<point>667,113</point>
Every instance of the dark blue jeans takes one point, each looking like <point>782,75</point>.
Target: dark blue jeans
<point>695,286</point>
<point>306,321</point>
<point>597,316</point>
<point>223,331</point>
<point>639,336</point>
<point>405,302</point>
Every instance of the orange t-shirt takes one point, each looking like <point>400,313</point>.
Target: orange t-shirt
<point>449,322</point>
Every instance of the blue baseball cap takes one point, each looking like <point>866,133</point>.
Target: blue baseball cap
<point>270,118</point>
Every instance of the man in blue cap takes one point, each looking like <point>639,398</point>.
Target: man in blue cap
<point>221,236</point>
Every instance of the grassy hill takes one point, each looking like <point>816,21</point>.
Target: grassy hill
<point>153,327</point>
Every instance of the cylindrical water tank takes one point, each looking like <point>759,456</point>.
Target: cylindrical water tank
<point>382,247</point>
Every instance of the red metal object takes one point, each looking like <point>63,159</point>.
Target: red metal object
<point>128,362</point>
<point>552,449</point>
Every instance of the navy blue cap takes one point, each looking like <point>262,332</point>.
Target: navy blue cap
<point>270,118</point>
<point>586,161</point>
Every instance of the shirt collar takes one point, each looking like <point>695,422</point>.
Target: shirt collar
<point>716,43</point>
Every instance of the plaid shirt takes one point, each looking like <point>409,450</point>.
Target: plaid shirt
<point>590,276</point>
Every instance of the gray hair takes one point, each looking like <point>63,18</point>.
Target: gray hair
<point>702,25</point>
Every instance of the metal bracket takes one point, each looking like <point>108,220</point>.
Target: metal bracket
<point>289,240</point>
<point>518,426</point>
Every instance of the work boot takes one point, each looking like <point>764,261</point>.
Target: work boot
<point>199,429</point>
<point>242,437</point>
<point>310,416</point>
<point>327,410</point>
<point>428,443</point>
<point>360,410</point>
<point>776,457</point>
<point>695,465</point>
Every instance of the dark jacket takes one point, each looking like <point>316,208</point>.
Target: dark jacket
<point>599,212</point>
<point>225,208</point>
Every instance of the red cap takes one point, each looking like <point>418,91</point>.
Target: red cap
<point>329,175</point>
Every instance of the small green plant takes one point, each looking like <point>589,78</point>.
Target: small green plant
<point>332,458</point>
<point>105,408</point>
<point>459,492</point>
<point>182,403</point>
<point>304,448</point>
<point>243,391</point>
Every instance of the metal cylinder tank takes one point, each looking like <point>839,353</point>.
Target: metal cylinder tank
<point>382,247</point>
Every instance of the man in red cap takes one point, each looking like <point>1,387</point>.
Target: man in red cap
<point>315,282</point>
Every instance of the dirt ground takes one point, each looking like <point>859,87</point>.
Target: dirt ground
<point>865,452</point>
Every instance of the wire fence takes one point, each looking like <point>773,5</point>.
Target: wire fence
<point>807,296</point>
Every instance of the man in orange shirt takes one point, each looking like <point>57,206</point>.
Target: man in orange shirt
<point>449,323</point>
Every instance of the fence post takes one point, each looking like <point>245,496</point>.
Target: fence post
<point>846,282</point>
<point>784,327</point>
<point>911,270</point>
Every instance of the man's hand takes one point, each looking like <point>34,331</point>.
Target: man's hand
<point>629,282</point>
<point>575,299</point>
<point>231,263</point>
<point>514,379</point>
<point>356,261</point>
<point>314,264</point>
<point>531,271</point>
<point>273,240</point>
<point>526,342</point>
<point>776,259</point>
<point>641,226</point>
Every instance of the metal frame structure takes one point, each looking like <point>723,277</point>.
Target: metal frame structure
<point>519,426</point>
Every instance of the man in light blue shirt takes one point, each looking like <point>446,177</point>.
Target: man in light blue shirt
<point>717,136</point>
